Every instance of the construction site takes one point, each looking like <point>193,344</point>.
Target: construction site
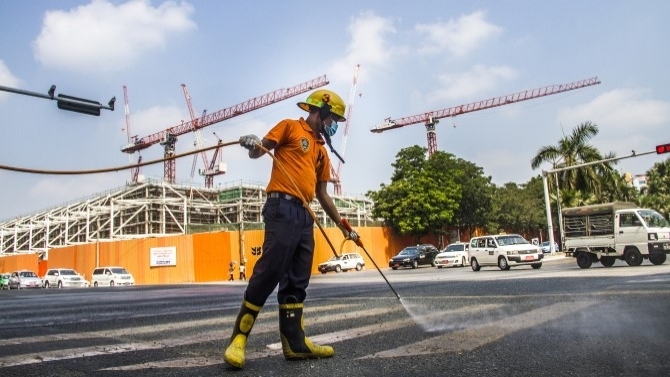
<point>160,207</point>
<point>155,208</point>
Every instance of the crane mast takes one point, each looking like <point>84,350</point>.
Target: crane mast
<point>430,119</point>
<point>335,173</point>
<point>199,143</point>
<point>134,172</point>
<point>210,170</point>
<point>168,137</point>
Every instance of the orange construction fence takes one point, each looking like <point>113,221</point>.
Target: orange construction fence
<point>202,257</point>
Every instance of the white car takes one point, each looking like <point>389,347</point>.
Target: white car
<point>63,278</point>
<point>504,251</point>
<point>455,254</point>
<point>111,276</point>
<point>24,279</point>
<point>345,262</point>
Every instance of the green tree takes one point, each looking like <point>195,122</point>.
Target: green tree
<point>658,188</point>
<point>520,208</point>
<point>476,207</point>
<point>423,195</point>
<point>574,150</point>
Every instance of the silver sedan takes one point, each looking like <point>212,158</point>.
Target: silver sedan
<point>24,279</point>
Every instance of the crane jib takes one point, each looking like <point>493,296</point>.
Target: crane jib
<point>430,117</point>
<point>227,113</point>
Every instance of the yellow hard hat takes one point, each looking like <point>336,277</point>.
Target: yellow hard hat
<point>320,97</point>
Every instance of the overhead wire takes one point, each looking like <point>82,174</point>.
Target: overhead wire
<point>112,169</point>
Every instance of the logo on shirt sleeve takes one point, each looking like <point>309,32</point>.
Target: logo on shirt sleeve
<point>304,144</point>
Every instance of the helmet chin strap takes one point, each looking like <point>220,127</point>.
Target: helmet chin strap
<point>330,145</point>
<point>324,112</point>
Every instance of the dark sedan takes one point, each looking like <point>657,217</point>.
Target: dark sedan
<point>414,256</point>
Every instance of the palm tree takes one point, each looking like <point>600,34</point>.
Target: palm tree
<point>574,150</point>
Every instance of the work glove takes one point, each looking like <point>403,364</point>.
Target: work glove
<point>249,141</point>
<point>347,231</point>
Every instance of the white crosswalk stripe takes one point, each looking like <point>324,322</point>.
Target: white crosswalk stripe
<point>218,330</point>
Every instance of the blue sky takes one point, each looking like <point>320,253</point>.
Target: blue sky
<point>414,57</point>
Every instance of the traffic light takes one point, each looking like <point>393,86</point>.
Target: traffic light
<point>663,148</point>
<point>79,105</point>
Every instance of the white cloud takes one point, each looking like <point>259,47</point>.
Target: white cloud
<point>479,79</point>
<point>458,36</point>
<point>621,109</point>
<point>7,79</point>
<point>53,190</point>
<point>104,37</point>
<point>369,46</point>
<point>628,120</point>
<point>155,119</point>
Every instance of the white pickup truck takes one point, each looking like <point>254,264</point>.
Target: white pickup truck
<point>611,231</point>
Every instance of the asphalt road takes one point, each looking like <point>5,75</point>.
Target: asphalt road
<point>556,321</point>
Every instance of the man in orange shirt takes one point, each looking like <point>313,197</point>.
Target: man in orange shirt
<point>288,247</point>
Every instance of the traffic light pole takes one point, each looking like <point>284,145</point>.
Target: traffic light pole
<point>547,203</point>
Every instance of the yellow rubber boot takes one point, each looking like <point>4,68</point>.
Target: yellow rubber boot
<point>295,344</point>
<point>235,353</point>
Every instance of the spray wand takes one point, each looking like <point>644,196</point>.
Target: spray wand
<point>359,243</point>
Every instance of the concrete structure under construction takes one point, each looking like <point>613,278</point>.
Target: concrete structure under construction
<point>154,208</point>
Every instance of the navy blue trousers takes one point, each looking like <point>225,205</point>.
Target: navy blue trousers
<point>288,251</point>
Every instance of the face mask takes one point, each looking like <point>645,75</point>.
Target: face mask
<point>332,129</point>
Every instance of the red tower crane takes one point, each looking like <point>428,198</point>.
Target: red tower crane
<point>335,173</point>
<point>168,137</point>
<point>134,172</point>
<point>430,119</point>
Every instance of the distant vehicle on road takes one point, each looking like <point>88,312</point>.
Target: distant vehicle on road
<point>24,279</point>
<point>63,278</point>
<point>455,254</point>
<point>111,276</point>
<point>546,247</point>
<point>414,256</point>
<point>345,262</point>
<point>4,280</point>
<point>504,251</point>
<point>618,230</point>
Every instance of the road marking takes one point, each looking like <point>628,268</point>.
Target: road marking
<point>210,336</point>
<point>471,338</point>
<point>124,332</point>
<point>274,349</point>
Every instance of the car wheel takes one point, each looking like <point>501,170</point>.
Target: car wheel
<point>46,284</point>
<point>584,259</point>
<point>463,262</point>
<point>111,283</point>
<point>359,267</point>
<point>338,269</point>
<point>536,266</point>
<point>439,266</point>
<point>415,264</point>
<point>323,272</point>
<point>503,264</point>
<point>633,257</point>
<point>95,284</point>
<point>60,284</point>
<point>608,261</point>
<point>657,258</point>
<point>475,265</point>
